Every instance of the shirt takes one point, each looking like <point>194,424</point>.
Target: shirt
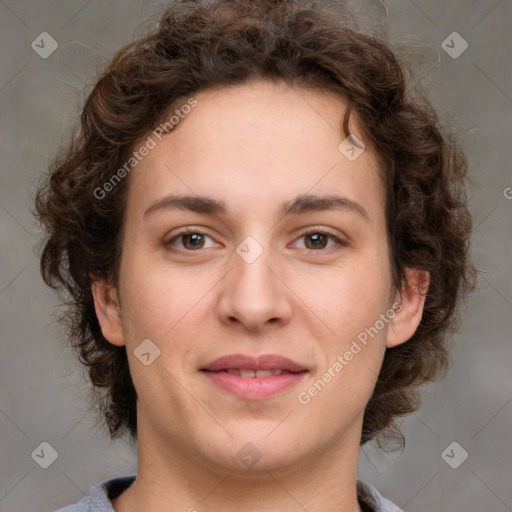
<point>98,500</point>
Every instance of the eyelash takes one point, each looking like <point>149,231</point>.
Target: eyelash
<point>314,231</point>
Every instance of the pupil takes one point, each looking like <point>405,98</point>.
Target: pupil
<point>195,237</point>
<point>317,237</point>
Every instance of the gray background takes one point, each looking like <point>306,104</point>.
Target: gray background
<point>43,394</point>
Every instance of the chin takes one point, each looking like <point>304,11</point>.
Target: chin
<point>259,451</point>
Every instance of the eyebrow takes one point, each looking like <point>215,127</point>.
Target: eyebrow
<point>301,204</point>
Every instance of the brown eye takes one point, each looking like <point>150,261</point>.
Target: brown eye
<point>193,241</point>
<point>319,240</point>
<point>189,241</point>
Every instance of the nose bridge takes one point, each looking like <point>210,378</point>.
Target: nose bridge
<point>251,268</point>
<point>252,294</point>
<point>251,263</point>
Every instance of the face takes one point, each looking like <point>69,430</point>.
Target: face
<point>281,265</point>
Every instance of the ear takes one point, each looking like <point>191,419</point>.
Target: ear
<point>106,304</point>
<point>411,300</point>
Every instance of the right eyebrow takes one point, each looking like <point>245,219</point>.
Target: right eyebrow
<point>198,204</point>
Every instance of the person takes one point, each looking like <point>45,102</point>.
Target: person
<point>263,232</point>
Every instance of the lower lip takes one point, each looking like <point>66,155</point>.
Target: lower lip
<point>254,388</point>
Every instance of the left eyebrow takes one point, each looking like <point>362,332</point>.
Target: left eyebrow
<point>310,203</point>
<point>300,205</point>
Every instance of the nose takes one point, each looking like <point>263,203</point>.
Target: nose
<point>254,295</point>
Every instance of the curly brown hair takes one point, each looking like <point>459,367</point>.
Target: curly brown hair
<point>310,44</point>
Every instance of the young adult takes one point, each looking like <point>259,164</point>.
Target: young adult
<point>264,235</point>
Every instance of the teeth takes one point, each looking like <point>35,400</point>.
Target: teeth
<point>251,374</point>
<point>260,374</point>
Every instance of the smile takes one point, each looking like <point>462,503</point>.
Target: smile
<point>254,377</point>
<point>255,374</point>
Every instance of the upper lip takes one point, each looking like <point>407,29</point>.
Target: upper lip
<point>263,362</point>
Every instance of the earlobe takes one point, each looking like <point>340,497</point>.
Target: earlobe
<point>107,308</point>
<point>412,301</point>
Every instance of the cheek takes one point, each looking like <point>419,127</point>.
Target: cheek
<point>350,298</point>
<point>152,304</point>
<point>162,301</point>
<point>353,354</point>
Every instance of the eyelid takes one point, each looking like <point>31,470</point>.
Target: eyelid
<point>340,241</point>
<point>186,231</point>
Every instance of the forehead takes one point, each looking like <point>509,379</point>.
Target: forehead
<point>254,144</point>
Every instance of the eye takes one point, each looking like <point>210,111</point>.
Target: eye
<point>191,239</point>
<point>318,240</point>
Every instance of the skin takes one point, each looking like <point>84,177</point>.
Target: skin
<point>254,147</point>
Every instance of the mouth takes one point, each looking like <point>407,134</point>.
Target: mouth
<point>267,362</point>
<point>255,374</point>
<point>254,378</point>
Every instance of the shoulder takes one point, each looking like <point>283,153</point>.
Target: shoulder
<point>98,499</point>
<point>370,497</point>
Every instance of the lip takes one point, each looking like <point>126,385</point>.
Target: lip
<point>237,361</point>
<point>254,388</point>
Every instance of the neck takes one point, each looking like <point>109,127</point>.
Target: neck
<point>170,477</point>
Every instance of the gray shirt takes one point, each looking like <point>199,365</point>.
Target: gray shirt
<point>98,499</point>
